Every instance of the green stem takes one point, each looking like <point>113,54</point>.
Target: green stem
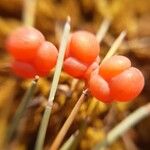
<point>21,109</point>
<point>124,126</point>
<point>44,123</point>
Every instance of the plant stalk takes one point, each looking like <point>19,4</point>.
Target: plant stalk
<point>29,12</point>
<point>68,122</point>
<point>124,126</point>
<point>21,109</point>
<point>116,44</point>
<point>44,123</point>
<point>103,30</point>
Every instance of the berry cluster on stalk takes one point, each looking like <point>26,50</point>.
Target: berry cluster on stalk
<point>113,80</point>
<point>32,54</point>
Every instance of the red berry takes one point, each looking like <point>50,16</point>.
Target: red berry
<point>74,68</point>
<point>91,68</point>
<point>113,66</point>
<point>81,54</point>
<point>83,46</point>
<point>22,69</point>
<point>127,85</point>
<point>45,58</point>
<point>99,88</point>
<point>23,43</point>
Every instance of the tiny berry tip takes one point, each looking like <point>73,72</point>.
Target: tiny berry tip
<point>123,34</point>
<point>68,19</point>
<point>106,22</point>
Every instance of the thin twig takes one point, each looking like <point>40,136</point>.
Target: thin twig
<point>102,30</point>
<point>128,142</point>
<point>110,118</point>
<point>29,12</point>
<point>21,109</point>
<point>125,125</point>
<point>115,45</point>
<point>48,108</point>
<point>75,141</point>
<point>70,141</point>
<point>138,43</point>
<point>68,122</point>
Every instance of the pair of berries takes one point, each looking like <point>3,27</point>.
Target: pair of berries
<point>35,56</point>
<point>114,79</point>
<point>32,54</point>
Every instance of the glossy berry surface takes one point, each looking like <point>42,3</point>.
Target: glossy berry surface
<point>23,43</point>
<point>83,46</point>
<point>82,54</point>
<point>32,55</point>
<point>127,85</point>
<point>113,66</point>
<point>91,68</point>
<point>74,67</point>
<point>99,88</point>
<point>116,80</point>
<point>45,58</point>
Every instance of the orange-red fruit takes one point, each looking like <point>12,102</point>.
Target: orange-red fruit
<point>127,85</point>
<point>91,68</point>
<point>83,46</point>
<point>113,66</point>
<point>23,43</point>
<point>74,68</point>
<point>81,54</point>
<point>45,58</point>
<point>99,88</point>
<point>22,69</point>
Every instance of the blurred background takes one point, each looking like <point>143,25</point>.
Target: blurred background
<point>133,16</point>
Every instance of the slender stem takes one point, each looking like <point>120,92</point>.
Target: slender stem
<point>21,109</point>
<point>68,144</point>
<point>68,122</point>
<point>115,45</point>
<point>128,142</point>
<point>59,64</point>
<point>44,123</point>
<point>102,30</point>
<point>29,12</point>
<point>73,141</point>
<point>125,125</point>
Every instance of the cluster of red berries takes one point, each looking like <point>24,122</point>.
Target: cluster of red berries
<point>32,55</point>
<point>114,79</point>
